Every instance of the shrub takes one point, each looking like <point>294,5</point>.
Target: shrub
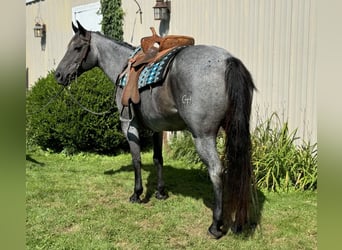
<point>64,126</point>
<point>280,162</point>
<point>182,147</point>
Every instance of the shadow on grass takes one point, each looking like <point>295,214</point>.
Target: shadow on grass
<point>194,183</point>
<point>30,159</point>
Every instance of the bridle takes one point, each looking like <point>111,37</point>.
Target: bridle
<point>81,58</point>
<point>85,50</point>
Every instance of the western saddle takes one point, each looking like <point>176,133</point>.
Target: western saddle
<point>152,49</point>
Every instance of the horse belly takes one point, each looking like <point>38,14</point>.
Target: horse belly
<point>158,111</point>
<point>158,124</point>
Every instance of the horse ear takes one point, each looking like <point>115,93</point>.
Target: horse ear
<point>75,29</point>
<point>81,29</point>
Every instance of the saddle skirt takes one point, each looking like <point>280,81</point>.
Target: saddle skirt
<point>154,72</point>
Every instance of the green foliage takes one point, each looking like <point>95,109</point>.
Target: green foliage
<point>183,148</point>
<point>63,125</point>
<point>112,18</point>
<point>280,162</point>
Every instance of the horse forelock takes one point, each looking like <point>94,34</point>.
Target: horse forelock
<point>71,41</point>
<point>74,40</point>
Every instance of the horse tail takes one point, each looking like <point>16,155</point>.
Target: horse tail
<point>238,170</point>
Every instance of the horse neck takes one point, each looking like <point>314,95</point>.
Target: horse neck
<point>112,56</point>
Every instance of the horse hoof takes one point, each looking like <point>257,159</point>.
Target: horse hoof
<point>135,199</point>
<point>161,196</point>
<point>214,233</point>
<point>237,229</point>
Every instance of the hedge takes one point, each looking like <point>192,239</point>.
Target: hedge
<point>64,126</point>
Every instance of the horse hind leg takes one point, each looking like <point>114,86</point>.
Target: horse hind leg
<point>206,148</point>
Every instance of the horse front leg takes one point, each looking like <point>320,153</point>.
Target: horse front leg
<point>158,162</point>
<point>132,135</point>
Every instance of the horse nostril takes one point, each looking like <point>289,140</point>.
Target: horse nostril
<point>59,77</point>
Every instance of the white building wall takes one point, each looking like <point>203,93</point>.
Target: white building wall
<point>276,40</point>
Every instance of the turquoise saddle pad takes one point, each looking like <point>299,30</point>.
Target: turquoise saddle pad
<point>154,72</point>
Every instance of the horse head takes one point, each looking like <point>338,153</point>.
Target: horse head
<point>78,58</point>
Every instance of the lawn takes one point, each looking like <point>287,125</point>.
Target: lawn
<point>81,202</point>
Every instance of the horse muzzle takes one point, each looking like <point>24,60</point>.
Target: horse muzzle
<point>64,79</point>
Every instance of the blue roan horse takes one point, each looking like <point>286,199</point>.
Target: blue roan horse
<point>205,88</point>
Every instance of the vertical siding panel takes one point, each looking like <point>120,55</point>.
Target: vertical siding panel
<point>287,72</point>
<point>284,44</point>
<point>265,56</point>
<point>272,58</point>
<point>277,56</point>
<point>303,76</point>
<point>292,61</point>
<point>311,103</point>
<point>299,62</point>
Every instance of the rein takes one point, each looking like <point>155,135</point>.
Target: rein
<point>89,110</point>
<point>49,102</point>
<point>76,102</point>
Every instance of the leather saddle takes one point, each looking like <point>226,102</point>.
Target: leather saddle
<point>152,49</point>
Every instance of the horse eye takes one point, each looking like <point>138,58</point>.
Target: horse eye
<point>78,48</point>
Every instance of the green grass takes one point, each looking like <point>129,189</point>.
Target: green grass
<point>81,202</point>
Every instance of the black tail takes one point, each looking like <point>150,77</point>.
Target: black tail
<point>238,177</point>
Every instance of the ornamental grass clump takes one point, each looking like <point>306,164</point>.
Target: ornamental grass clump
<point>281,161</point>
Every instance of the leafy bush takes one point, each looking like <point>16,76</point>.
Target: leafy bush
<point>280,162</point>
<point>64,126</point>
<point>182,147</point>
